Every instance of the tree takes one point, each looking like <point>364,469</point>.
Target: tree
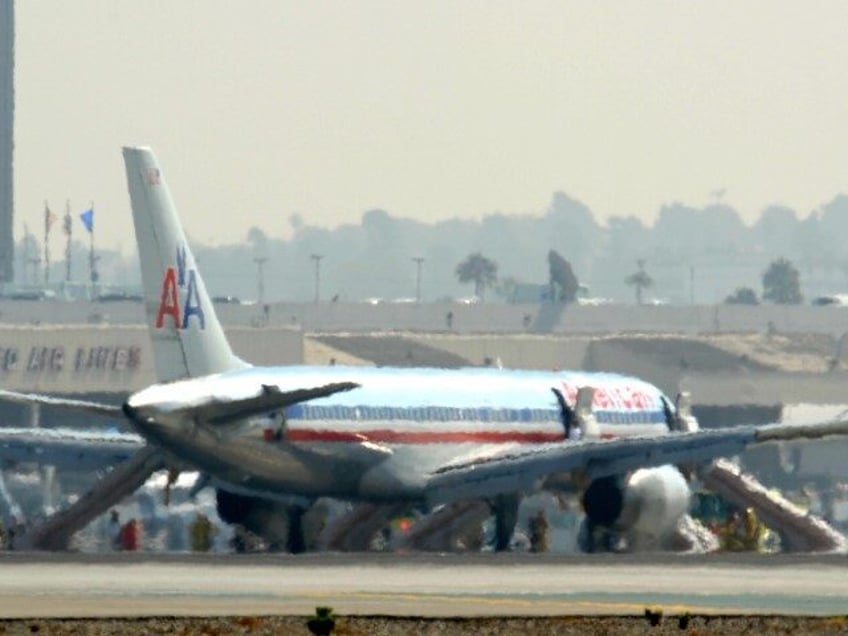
<point>715,228</point>
<point>782,283</point>
<point>296,221</point>
<point>777,230</point>
<point>479,270</point>
<point>625,236</point>
<point>570,219</point>
<point>639,280</point>
<point>562,276</point>
<point>742,296</point>
<point>258,239</point>
<point>505,287</point>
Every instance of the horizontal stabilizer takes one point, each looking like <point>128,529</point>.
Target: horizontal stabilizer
<point>270,398</point>
<point>94,408</point>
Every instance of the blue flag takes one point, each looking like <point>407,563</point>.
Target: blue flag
<point>87,218</point>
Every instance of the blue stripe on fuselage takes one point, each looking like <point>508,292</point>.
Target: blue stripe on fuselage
<point>341,412</point>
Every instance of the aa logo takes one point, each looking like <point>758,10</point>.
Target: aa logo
<point>169,301</point>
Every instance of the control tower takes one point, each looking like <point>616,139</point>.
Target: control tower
<point>7,142</point>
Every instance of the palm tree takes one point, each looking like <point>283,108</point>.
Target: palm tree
<point>479,270</point>
<point>639,280</point>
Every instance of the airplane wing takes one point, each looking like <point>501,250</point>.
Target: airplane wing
<point>66,448</point>
<point>518,469</point>
<point>270,398</point>
<point>94,408</point>
<point>62,447</point>
<point>89,449</point>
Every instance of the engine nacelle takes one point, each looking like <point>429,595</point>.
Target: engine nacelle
<point>648,504</point>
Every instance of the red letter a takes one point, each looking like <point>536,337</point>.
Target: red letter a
<point>169,305</point>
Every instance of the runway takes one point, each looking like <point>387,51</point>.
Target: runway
<point>69,585</point>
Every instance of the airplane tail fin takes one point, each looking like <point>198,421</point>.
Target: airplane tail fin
<point>187,338</point>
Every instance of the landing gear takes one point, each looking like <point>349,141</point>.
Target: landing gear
<point>296,542</point>
<point>593,538</point>
<point>505,509</point>
<point>279,525</point>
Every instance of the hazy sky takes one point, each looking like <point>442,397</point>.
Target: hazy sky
<point>429,109</point>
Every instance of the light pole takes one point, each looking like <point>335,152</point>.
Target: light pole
<point>260,277</point>
<point>691,284</point>
<point>316,258</point>
<point>419,261</point>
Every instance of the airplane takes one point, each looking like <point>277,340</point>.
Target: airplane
<point>425,436</point>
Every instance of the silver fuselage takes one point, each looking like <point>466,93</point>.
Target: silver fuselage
<point>381,441</point>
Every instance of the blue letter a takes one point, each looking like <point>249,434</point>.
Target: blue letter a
<point>192,303</point>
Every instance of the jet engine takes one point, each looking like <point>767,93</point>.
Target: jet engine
<point>643,507</point>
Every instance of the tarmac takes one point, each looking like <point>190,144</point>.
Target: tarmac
<point>63,585</point>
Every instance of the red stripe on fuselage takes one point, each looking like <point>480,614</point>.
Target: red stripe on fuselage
<point>422,437</point>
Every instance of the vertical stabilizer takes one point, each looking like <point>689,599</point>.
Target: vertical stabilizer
<point>187,338</point>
